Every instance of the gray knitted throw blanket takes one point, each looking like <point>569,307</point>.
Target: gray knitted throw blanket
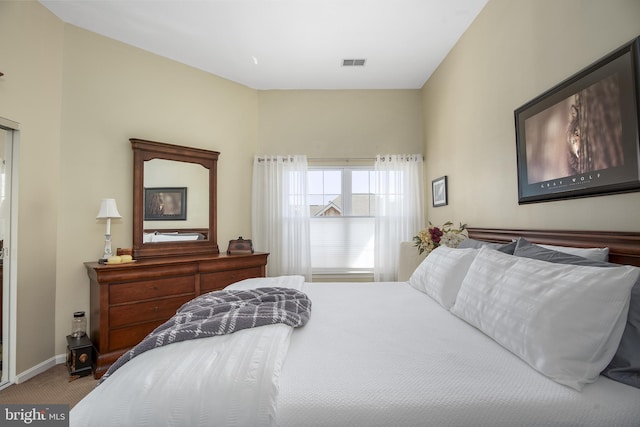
<point>224,312</point>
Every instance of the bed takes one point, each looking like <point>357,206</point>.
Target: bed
<point>382,354</point>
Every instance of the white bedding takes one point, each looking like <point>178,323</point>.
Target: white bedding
<point>409,362</point>
<point>226,380</point>
<point>193,383</point>
<point>403,360</point>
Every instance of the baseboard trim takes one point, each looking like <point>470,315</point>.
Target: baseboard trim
<point>40,368</point>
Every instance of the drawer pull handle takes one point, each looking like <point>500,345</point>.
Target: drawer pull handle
<point>155,309</point>
<point>155,288</point>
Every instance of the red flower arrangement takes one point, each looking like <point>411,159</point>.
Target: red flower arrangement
<point>430,238</point>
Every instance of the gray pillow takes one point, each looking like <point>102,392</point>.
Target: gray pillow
<point>625,365</point>
<point>507,248</point>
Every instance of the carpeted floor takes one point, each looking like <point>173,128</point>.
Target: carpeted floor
<point>50,387</point>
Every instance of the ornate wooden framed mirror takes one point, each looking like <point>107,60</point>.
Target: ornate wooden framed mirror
<point>184,176</point>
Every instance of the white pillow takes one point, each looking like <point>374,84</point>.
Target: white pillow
<point>565,321</point>
<point>594,254</point>
<point>441,273</point>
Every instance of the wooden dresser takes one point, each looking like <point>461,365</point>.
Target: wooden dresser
<point>128,301</point>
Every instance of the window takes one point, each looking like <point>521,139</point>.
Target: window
<point>342,209</point>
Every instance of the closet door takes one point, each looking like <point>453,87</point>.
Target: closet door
<point>6,155</point>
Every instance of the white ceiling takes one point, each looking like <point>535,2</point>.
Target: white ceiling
<point>287,44</point>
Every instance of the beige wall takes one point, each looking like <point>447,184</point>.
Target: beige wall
<point>31,42</point>
<point>340,124</point>
<point>514,51</point>
<point>113,92</point>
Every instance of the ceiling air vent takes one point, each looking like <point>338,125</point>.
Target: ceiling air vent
<point>353,62</point>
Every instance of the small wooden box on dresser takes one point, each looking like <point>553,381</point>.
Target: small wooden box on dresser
<point>129,300</point>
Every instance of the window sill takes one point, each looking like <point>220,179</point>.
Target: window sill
<point>347,276</point>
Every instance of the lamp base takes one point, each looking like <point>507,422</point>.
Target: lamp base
<point>107,247</point>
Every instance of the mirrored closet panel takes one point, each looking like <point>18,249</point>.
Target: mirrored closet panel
<point>6,153</point>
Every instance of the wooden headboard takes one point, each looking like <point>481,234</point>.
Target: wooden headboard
<point>624,248</point>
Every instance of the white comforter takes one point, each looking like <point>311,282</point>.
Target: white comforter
<point>406,361</point>
<point>401,361</point>
<point>228,380</point>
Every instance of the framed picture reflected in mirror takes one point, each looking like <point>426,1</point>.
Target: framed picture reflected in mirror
<point>165,204</point>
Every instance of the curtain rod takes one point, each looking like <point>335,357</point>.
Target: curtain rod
<point>332,159</point>
<point>341,159</point>
<point>356,159</point>
<point>325,159</point>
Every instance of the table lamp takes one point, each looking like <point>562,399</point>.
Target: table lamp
<point>108,210</point>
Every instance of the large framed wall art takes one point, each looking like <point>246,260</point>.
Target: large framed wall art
<point>580,138</point>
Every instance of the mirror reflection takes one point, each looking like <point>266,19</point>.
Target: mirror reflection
<point>176,200</point>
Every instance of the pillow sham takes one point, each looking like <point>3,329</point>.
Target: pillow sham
<point>625,365</point>
<point>565,321</point>
<point>441,273</point>
<point>507,248</point>
<point>526,249</point>
<point>595,254</point>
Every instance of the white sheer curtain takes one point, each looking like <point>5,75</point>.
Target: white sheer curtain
<point>280,214</point>
<point>399,209</point>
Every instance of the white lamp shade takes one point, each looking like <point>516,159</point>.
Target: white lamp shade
<point>108,209</point>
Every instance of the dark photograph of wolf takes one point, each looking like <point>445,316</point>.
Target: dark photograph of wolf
<point>580,134</point>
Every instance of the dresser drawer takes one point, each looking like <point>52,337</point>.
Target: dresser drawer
<point>160,309</point>
<point>148,289</point>
<point>131,335</point>
<point>216,281</point>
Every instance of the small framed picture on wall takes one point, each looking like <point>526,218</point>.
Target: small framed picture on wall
<point>439,191</point>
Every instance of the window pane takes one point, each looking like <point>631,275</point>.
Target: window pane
<point>316,199</point>
<point>373,179</point>
<point>332,205</point>
<point>332,182</point>
<point>361,204</point>
<point>315,182</point>
<point>362,194</point>
<point>360,182</point>
<point>325,192</point>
